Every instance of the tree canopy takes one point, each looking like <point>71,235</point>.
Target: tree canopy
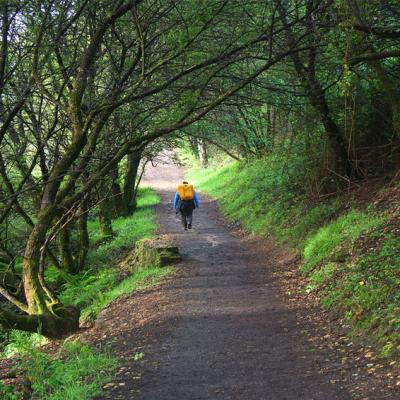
<point>89,90</point>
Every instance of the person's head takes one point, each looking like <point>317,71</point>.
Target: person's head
<point>185,183</point>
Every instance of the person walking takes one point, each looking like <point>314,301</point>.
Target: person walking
<point>185,201</point>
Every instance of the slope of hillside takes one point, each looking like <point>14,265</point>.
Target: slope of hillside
<point>349,244</point>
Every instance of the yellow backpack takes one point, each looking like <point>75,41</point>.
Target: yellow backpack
<point>185,191</point>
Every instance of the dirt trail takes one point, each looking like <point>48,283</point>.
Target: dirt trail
<point>219,328</point>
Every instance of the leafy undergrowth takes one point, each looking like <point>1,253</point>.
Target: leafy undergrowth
<point>363,284</point>
<point>329,239</point>
<point>93,294</point>
<point>127,230</point>
<point>351,253</point>
<point>75,372</point>
<point>78,372</point>
<point>95,287</point>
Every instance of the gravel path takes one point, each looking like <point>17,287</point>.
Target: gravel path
<point>218,329</point>
<point>226,333</point>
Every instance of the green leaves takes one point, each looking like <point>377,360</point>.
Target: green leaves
<point>7,392</point>
<point>76,373</point>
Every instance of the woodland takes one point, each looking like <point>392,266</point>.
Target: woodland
<point>92,91</point>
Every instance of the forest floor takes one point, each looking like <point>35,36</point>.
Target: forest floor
<point>229,324</point>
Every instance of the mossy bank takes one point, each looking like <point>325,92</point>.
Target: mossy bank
<point>350,250</point>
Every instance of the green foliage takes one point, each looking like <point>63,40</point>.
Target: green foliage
<point>76,372</point>
<point>360,281</point>
<point>127,229</point>
<point>138,356</point>
<point>270,190</point>
<point>7,392</point>
<point>4,339</point>
<point>88,286</point>
<point>308,219</point>
<point>100,271</point>
<point>366,291</point>
<point>139,280</point>
<point>23,342</point>
<point>96,287</point>
<point>344,229</point>
<point>319,277</point>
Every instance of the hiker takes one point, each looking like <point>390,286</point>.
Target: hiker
<point>185,201</point>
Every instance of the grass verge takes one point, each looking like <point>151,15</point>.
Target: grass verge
<point>95,294</point>
<point>78,372</point>
<point>75,372</point>
<point>94,288</point>
<point>264,200</point>
<point>350,254</point>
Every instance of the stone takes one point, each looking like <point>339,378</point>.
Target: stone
<point>150,253</point>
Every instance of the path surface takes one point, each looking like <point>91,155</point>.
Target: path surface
<point>217,330</point>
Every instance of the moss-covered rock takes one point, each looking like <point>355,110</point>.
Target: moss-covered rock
<point>150,253</point>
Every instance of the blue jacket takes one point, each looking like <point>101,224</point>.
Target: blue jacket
<point>177,198</point>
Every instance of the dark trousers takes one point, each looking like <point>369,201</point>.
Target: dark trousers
<point>186,217</point>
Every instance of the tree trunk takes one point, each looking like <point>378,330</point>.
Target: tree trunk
<point>45,313</point>
<point>391,89</point>
<point>340,158</point>
<point>307,74</point>
<point>130,182</point>
<point>202,151</point>
<point>36,297</point>
<point>64,321</point>
<point>83,234</point>
<point>117,194</point>
<point>67,259</point>
<point>105,218</point>
<point>273,125</point>
<point>194,146</point>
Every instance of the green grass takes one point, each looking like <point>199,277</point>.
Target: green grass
<point>344,229</point>
<point>78,372</point>
<point>101,260</point>
<point>360,282</point>
<point>127,230</point>
<point>139,280</point>
<point>90,289</point>
<point>96,287</point>
<point>7,392</point>
<point>320,276</point>
<point>20,342</point>
<point>366,291</point>
<point>264,200</point>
